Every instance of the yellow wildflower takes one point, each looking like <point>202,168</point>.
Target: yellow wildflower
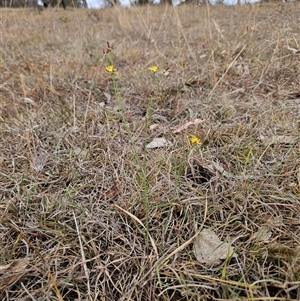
<point>153,68</point>
<point>110,68</point>
<point>195,140</point>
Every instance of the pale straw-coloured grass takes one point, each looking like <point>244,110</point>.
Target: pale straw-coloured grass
<point>88,213</point>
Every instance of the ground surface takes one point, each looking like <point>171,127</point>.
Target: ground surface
<point>88,212</point>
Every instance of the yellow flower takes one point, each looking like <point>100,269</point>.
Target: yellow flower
<point>153,68</point>
<point>195,140</point>
<point>110,68</point>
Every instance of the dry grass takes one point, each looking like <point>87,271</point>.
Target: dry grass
<point>87,213</point>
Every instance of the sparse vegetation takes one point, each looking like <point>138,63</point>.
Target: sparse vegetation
<point>89,213</point>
